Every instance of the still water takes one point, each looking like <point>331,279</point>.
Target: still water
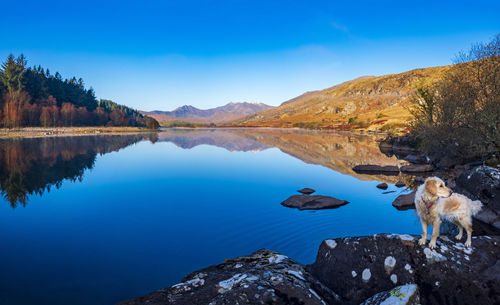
<point>99,219</point>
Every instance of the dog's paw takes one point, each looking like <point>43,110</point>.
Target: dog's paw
<point>422,241</point>
<point>432,244</point>
<point>458,237</point>
<point>468,244</point>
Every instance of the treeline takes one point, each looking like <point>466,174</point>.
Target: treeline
<point>459,117</point>
<point>32,96</point>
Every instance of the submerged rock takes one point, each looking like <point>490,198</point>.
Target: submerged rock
<point>382,186</point>
<point>306,191</point>
<point>376,169</point>
<point>264,277</point>
<point>449,274</point>
<point>417,168</point>
<point>404,202</point>
<point>401,295</point>
<point>315,202</point>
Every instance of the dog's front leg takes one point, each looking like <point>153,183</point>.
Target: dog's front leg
<point>435,233</point>
<point>423,240</point>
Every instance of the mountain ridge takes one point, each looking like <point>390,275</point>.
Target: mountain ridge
<point>188,113</point>
<point>366,102</point>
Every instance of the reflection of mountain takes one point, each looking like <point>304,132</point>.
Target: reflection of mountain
<point>32,165</point>
<point>339,151</point>
<point>230,140</point>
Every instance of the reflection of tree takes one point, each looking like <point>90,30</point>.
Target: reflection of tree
<point>35,165</point>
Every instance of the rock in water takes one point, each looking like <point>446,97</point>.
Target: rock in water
<point>264,277</point>
<point>404,202</point>
<point>401,295</point>
<point>306,191</point>
<point>315,202</point>
<point>376,169</point>
<point>360,267</point>
<point>400,184</point>
<point>417,168</point>
<point>382,186</point>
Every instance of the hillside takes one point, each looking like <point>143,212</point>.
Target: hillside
<point>226,113</point>
<point>369,102</point>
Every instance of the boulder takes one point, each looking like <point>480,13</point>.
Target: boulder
<point>315,202</point>
<point>376,169</point>
<point>419,179</point>
<point>404,202</point>
<point>417,159</point>
<point>358,268</point>
<point>382,186</point>
<point>306,191</point>
<point>400,184</point>
<point>264,277</point>
<point>483,183</point>
<point>401,295</point>
<point>417,168</point>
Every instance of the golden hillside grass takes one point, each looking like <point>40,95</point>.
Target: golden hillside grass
<point>366,103</point>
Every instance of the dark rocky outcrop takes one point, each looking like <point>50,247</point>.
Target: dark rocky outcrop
<point>315,202</point>
<point>382,186</point>
<point>377,169</point>
<point>404,202</point>
<point>417,168</point>
<point>358,268</point>
<point>306,191</point>
<point>264,277</point>
<point>483,183</point>
<point>351,270</point>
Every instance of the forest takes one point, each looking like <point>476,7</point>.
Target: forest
<point>32,96</point>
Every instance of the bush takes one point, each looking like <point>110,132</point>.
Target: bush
<point>460,115</point>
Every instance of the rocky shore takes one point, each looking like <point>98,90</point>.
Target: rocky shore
<point>378,269</point>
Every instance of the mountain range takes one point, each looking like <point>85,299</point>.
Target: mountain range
<point>229,112</point>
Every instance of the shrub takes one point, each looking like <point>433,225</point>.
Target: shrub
<point>460,115</point>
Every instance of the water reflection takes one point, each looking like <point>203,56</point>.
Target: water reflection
<point>34,165</point>
<point>340,151</point>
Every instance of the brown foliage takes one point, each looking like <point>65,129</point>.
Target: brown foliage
<point>460,116</point>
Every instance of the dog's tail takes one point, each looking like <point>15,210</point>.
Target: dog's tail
<point>476,206</point>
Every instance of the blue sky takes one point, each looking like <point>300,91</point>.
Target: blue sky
<point>163,54</point>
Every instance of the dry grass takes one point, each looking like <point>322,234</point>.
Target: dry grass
<point>364,98</point>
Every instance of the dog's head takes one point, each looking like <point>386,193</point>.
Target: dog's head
<point>436,187</point>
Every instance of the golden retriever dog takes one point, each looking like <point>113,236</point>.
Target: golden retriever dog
<point>435,202</point>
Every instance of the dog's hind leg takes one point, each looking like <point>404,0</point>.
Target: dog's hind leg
<point>468,227</point>
<point>435,233</point>
<point>460,229</point>
<point>423,240</point>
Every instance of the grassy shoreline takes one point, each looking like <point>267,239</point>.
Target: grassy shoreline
<point>67,131</point>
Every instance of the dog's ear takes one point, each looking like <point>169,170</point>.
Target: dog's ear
<point>430,186</point>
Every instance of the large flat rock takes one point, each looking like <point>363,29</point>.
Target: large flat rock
<point>376,169</point>
<point>315,202</point>
<point>358,268</point>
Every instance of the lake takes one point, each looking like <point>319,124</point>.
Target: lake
<point>99,219</point>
